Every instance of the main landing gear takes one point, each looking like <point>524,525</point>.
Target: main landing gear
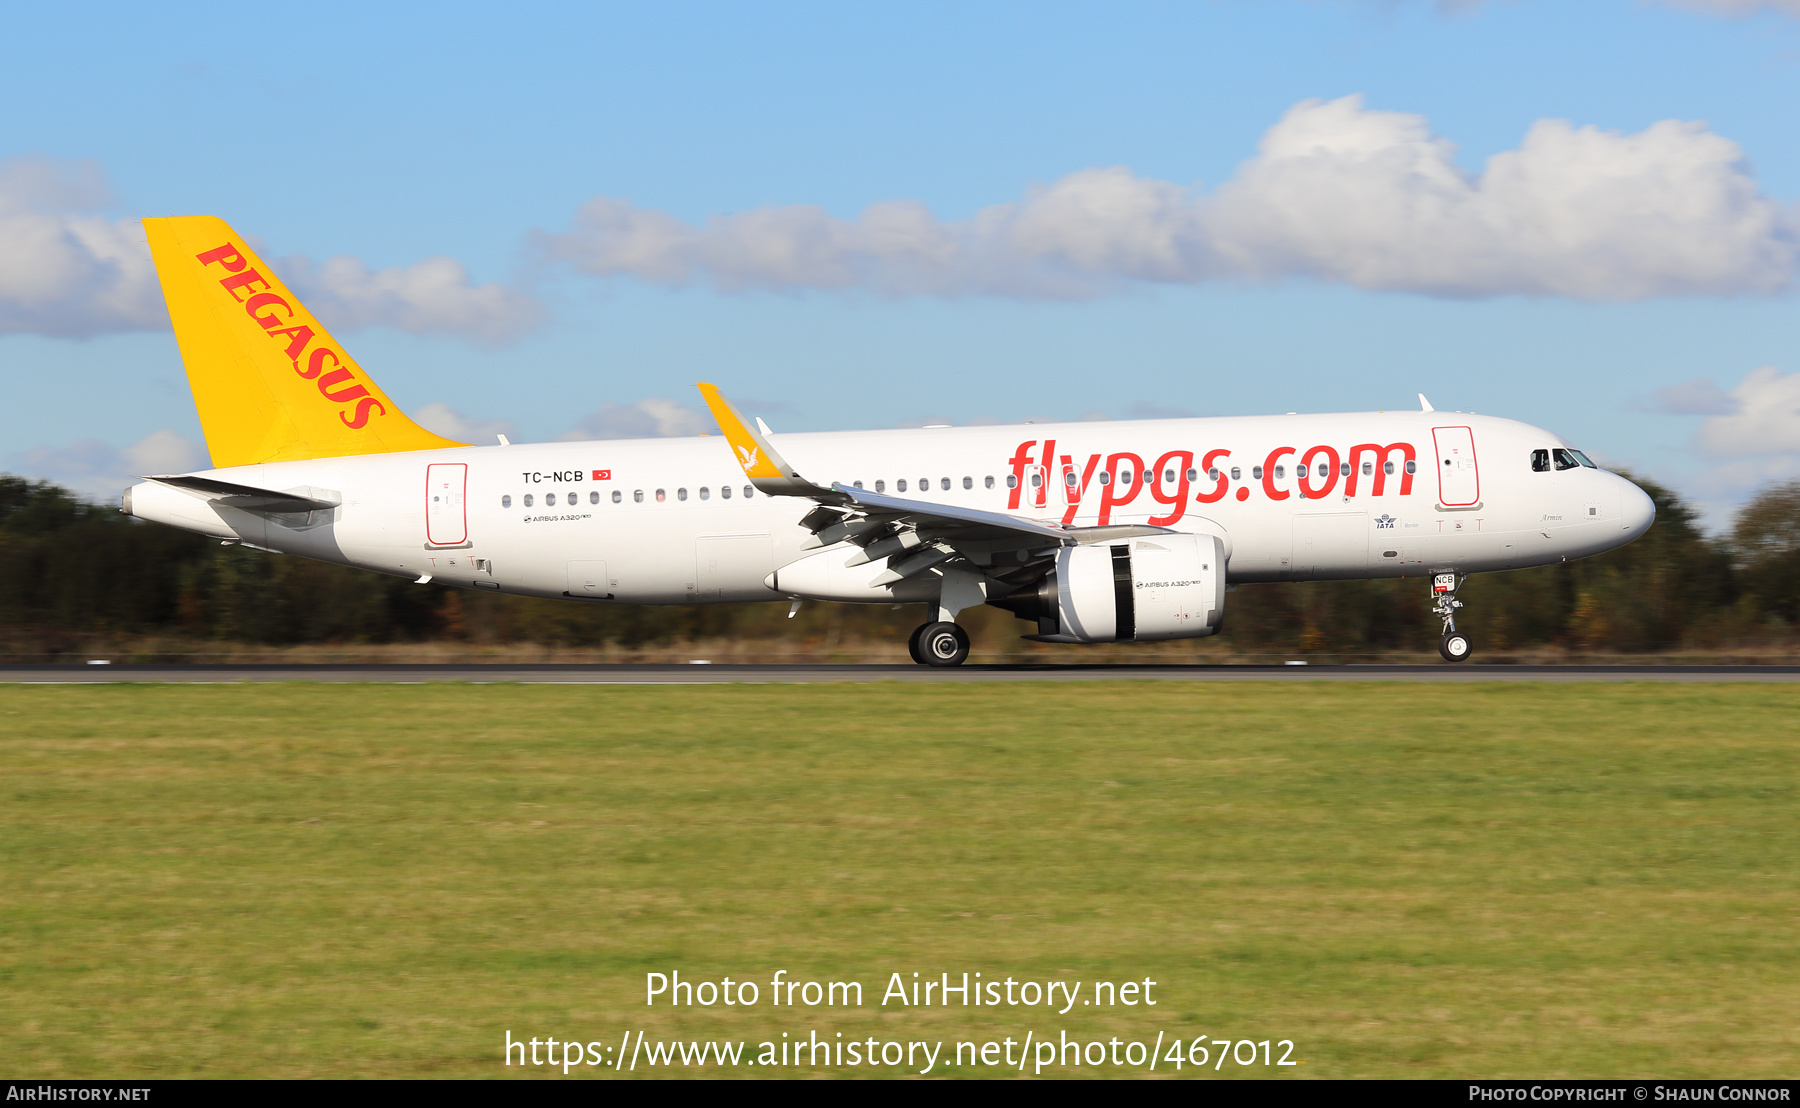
<point>1454,646</point>
<point>939,644</point>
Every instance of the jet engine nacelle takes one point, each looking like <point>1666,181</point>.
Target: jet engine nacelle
<point>1137,590</point>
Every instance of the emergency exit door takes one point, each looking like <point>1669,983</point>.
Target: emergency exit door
<point>1459,482</point>
<point>446,513</point>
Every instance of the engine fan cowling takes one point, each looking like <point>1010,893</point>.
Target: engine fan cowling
<point>1139,590</point>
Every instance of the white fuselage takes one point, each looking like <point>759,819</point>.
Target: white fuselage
<point>671,521</point>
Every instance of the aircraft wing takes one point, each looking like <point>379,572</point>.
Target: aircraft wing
<point>915,535</point>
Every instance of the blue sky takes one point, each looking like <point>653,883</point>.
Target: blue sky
<point>1120,209</point>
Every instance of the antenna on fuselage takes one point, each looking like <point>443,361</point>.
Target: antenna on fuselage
<point>1425,405</point>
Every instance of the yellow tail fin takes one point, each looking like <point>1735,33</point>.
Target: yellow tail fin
<point>271,383</point>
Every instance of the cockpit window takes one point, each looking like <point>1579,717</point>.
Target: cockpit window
<point>1564,459</point>
<point>1540,461</point>
<point>1583,459</point>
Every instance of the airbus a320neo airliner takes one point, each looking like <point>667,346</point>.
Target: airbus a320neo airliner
<point>1094,532</point>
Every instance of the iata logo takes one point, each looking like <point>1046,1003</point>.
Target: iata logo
<point>1385,522</point>
<point>335,382</point>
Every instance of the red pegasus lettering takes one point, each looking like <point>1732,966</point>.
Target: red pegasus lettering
<point>316,363</point>
<point>298,336</point>
<point>266,300</point>
<point>1219,488</point>
<point>1177,501</point>
<point>1331,473</point>
<point>243,281</point>
<point>362,413</point>
<point>1108,501</point>
<point>228,256</point>
<point>1269,473</point>
<point>338,377</point>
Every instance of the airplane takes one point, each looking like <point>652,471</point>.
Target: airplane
<point>1126,531</point>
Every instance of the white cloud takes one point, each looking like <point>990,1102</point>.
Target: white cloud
<point>653,418</point>
<point>1337,192</point>
<point>430,296</point>
<point>1738,7</point>
<point>1696,397</point>
<point>101,471</point>
<point>66,271</point>
<point>1766,422</point>
<point>440,418</point>
<point>69,271</point>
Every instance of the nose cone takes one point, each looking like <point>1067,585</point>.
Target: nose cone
<point>1636,510</point>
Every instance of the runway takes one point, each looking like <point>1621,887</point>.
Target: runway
<point>706,674</point>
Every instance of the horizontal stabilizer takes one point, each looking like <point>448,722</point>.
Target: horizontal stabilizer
<point>245,497</point>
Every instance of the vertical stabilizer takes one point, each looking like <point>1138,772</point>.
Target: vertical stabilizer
<point>270,382</point>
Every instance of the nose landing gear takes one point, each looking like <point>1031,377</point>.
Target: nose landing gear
<point>1454,646</point>
<point>939,644</point>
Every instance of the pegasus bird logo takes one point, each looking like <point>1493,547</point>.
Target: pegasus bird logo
<point>748,456</point>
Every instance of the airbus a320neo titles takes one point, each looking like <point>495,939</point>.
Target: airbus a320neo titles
<point>1126,531</point>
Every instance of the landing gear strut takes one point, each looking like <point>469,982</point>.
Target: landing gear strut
<point>939,644</point>
<point>1455,645</point>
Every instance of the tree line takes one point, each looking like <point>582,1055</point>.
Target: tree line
<point>73,572</point>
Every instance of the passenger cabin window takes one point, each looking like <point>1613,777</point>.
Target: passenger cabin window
<point>637,497</point>
<point>881,486</point>
<point>1012,482</point>
<point>1540,461</point>
<point>1368,468</point>
<point>1069,477</point>
<point>594,497</point>
<point>1238,474</point>
<point>858,484</point>
<point>549,500</point>
<point>528,500</point>
<point>506,502</point>
<point>1280,472</point>
<point>681,494</point>
<point>704,494</point>
<point>900,485</point>
<point>1564,459</point>
<point>1194,474</point>
<point>1255,473</point>
<point>661,496</point>
<point>969,482</point>
<point>1411,467</point>
<point>989,481</point>
<point>1388,468</point>
<point>1343,469</point>
<point>1324,469</point>
<point>1212,474</point>
<point>617,496</point>
<point>1105,478</point>
<point>748,489</point>
<point>944,484</point>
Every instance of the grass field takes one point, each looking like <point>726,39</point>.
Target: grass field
<point>1406,880</point>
